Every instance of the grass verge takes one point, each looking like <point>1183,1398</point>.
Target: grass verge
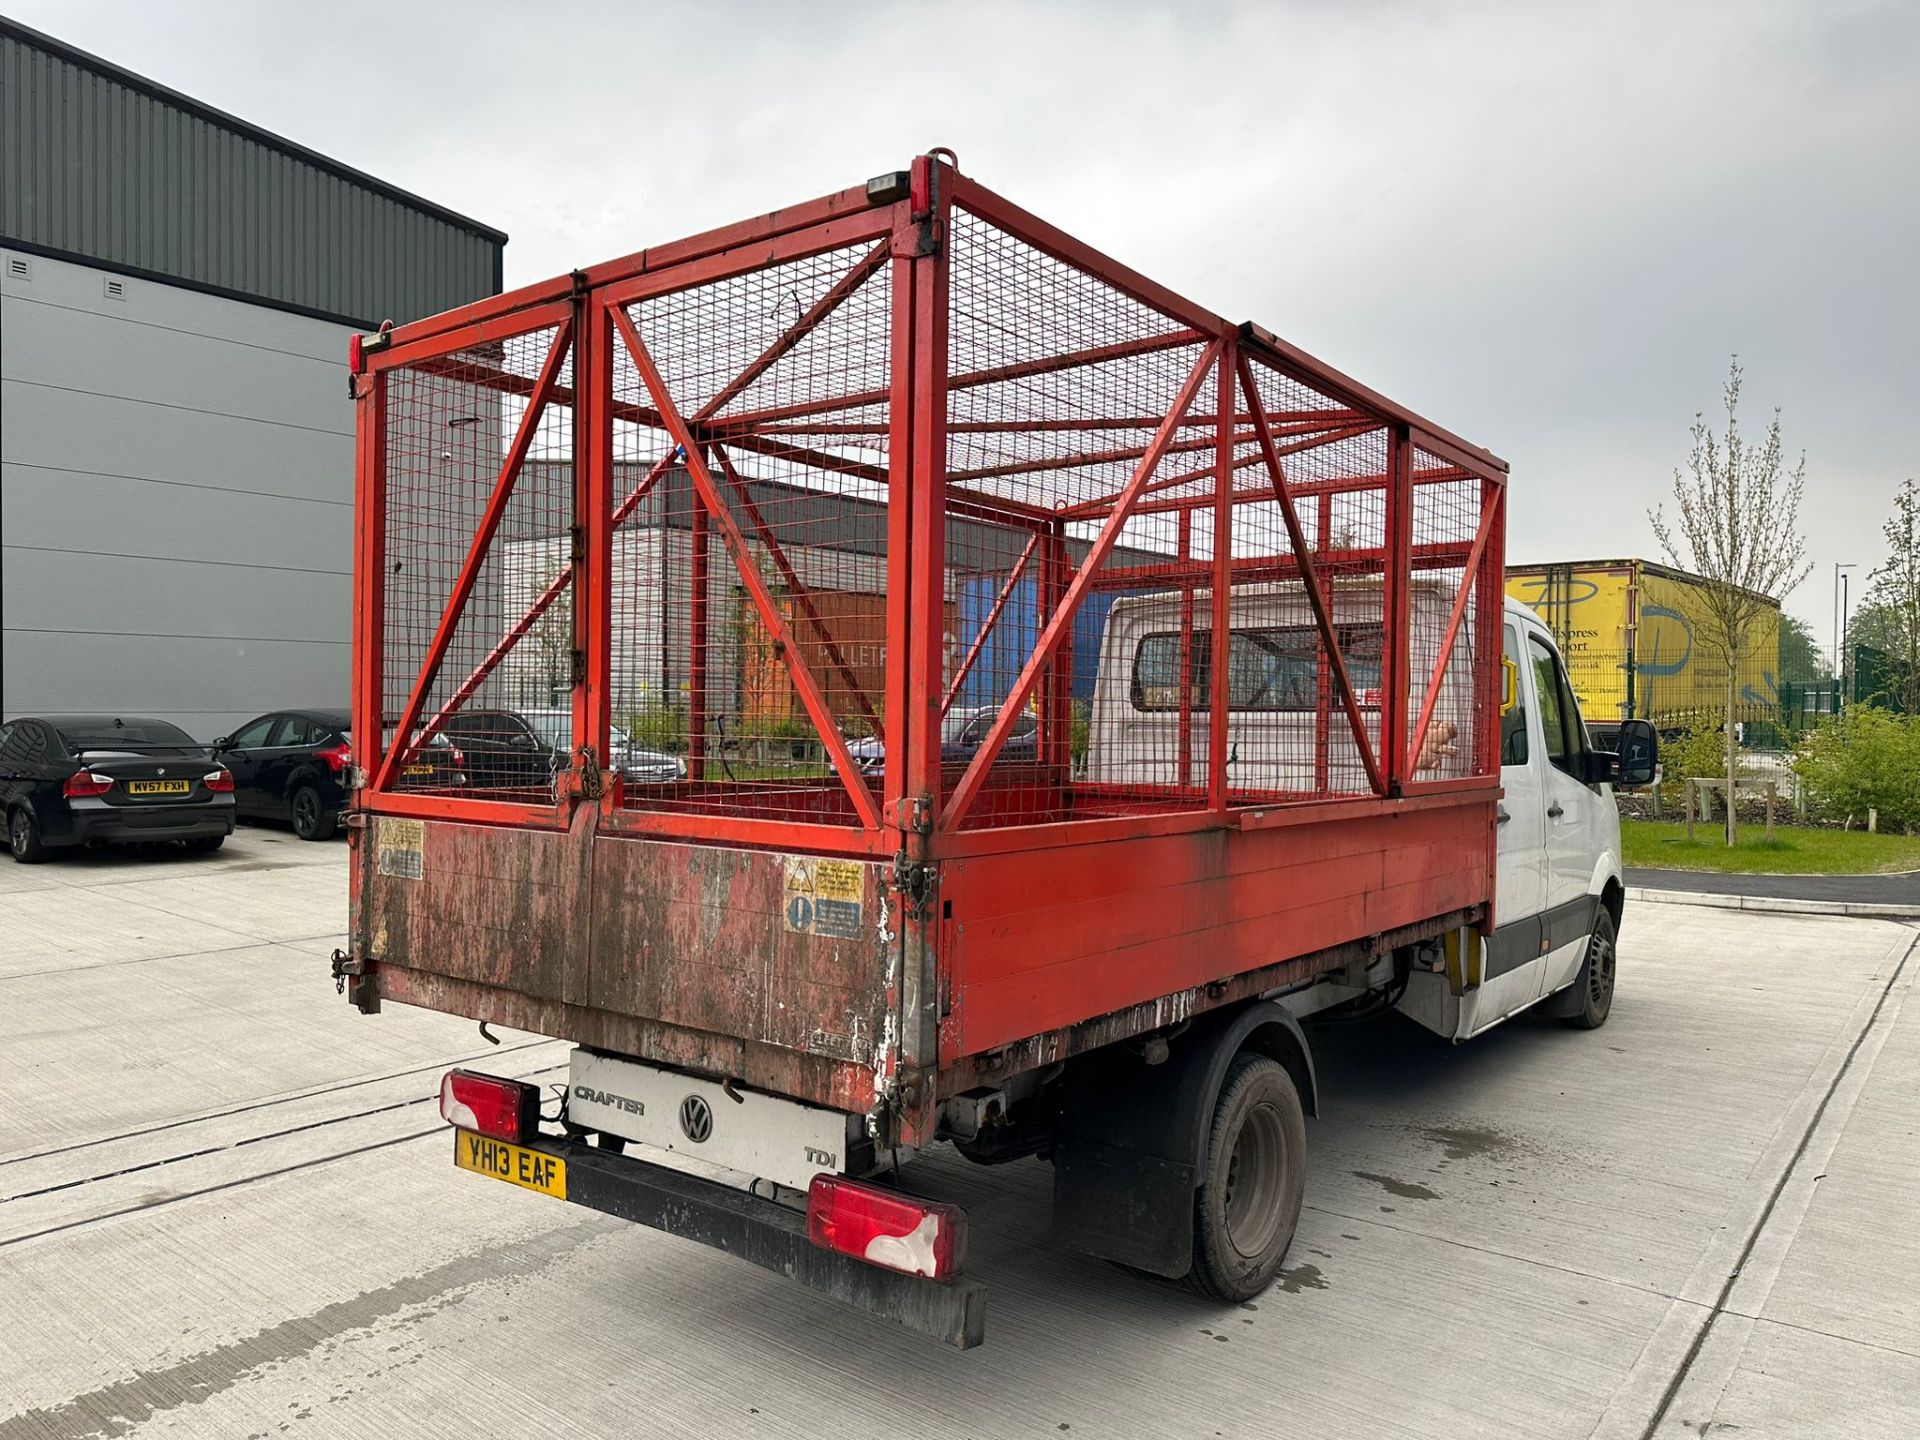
<point>1656,845</point>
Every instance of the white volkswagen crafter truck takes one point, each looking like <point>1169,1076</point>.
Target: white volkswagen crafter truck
<point>1221,1098</point>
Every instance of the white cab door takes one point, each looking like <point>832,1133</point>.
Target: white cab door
<point>1571,809</point>
<point>1522,871</point>
<point>1510,962</point>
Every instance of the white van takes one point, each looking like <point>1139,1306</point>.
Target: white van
<point>1559,888</point>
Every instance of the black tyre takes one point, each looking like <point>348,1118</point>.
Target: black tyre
<point>23,837</point>
<point>312,820</point>
<point>205,844</point>
<point>1255,1177</point>
<point>1592,999</point>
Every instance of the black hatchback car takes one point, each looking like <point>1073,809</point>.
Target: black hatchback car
<point>292,765</point>
<point>68,780</point>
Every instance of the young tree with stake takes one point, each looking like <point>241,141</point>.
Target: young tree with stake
<point>1738,528</point>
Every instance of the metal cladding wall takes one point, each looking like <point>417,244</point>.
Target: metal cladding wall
<point>99,164</point>
<point>176,443</point>
<point>176,476</point>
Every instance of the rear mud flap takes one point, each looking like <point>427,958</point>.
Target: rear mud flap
<point>1118,1204</point>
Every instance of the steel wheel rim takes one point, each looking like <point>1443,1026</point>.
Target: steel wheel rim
<point>1255,1173</point>
<point>1600,972</point>
<point>306,811</point>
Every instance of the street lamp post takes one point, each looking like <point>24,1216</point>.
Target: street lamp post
<point>1839,626</point>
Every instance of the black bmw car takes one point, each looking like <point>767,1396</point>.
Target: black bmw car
<point>292,765</point>
<point>69,780</point>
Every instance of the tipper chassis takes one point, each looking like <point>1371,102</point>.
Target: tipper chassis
<point>670,496</point>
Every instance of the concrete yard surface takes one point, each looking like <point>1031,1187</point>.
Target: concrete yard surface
<point>227,1208</point>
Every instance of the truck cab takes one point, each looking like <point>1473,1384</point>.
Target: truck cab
<point>1560,889</point>
<point>1557,905</point>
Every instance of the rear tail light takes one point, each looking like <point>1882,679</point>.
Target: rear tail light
<point>85,785</point>
<point>504,1109</point>
<point>219,781</point>
<point>457,756</point>
<point>885,1228</point>
<point>337,755</point>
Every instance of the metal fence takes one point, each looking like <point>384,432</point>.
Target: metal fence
<point>1689,695</point>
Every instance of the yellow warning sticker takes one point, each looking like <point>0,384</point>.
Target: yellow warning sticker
<point>837,880</point>
<point>401,849</point>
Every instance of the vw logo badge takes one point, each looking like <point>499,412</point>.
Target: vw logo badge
<point>696,1119</point>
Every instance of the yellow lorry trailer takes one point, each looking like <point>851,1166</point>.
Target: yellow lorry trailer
<point>1638,644</point>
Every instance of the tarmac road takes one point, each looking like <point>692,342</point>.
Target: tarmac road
<point>1902,889</point>
<point>230,1211</point>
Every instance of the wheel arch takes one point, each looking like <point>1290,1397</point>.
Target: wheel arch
<point>304,774</point>
<point>1613,899</point>
<point>1134,1136</point>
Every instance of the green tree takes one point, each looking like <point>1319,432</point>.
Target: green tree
<point>1891,608</point>
<point>1737,527</point>
<point>1800,662</point>
<point>1868,759</point>
<point>1874,625</point>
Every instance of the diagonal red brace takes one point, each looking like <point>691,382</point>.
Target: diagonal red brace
<point>722,518</point>
<point>1056,630</point>
<point>1489,503</point>
<point>405,746</point>
<point>1310,578</point>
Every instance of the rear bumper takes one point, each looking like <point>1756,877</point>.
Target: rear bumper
<point>766,1234</point>
<point>127,824</point>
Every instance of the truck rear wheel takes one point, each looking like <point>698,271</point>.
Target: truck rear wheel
<point>1594,985</point>
<point>1254,1179</point>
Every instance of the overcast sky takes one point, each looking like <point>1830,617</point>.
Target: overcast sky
<point>1544,227</point>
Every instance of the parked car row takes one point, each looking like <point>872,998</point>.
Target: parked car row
<point>74,780</point>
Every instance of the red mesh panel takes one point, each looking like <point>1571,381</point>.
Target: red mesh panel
<point>785,371</point>
<point>491,714</point>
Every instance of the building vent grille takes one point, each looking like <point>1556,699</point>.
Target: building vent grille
<point>18,268</point>
<point>115,289</point>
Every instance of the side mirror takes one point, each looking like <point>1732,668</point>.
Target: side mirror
<point>221,744</point>
<point>1639,746</point>
<point>521,742</point>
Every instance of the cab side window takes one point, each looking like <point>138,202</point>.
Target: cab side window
<point>1513,719</point>
<point>1561,727</point>
<point>1578,741</point>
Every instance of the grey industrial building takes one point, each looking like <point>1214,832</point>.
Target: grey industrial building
<point>176,444</point>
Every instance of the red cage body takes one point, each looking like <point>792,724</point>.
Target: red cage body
<point>887,644</point>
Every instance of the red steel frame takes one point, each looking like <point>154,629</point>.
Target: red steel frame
<point>589,312</point>
<point>921,812</point>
